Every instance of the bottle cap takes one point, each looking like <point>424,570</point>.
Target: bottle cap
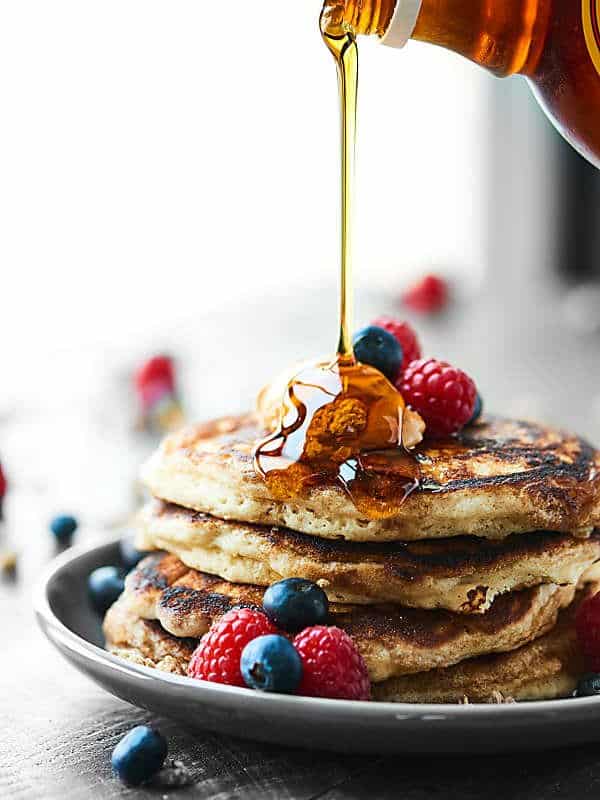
<point>403,23</point>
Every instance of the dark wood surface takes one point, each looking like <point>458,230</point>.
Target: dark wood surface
<point>57,729</point>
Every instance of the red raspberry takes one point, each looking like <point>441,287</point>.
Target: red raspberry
<point>159,369</point>
<point>444,396</point>
<point>332,666</point>
<point>217,657</point>
<point>587,625</point>
<point>427,296</point>
<point>405,334</point>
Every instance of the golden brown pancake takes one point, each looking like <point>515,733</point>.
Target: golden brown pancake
<point>146,642</point>
<point>394,640</point>
<point>496,478</point>
<point>546,668</point>
<point>462,574</point>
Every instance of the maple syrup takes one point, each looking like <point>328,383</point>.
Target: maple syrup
<point>555,44</point>
<point>343,423</point>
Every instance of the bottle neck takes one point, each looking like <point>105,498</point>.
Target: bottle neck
<point>504,36</point>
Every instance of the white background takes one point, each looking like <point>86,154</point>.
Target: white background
<point>161,159</point>
<point>165,170</point>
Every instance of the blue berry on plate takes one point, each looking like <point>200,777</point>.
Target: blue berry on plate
<point>130,555</point>
<point>271,664</point>
<point>478,410</point>
<point>139,755</point>
<point>589,685</point>
<point>63,527</point>
<point>105,584</point>
<point>380,349</point>
<point>295,603</point>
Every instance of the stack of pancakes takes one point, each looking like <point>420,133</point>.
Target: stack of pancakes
<point>467,593</point>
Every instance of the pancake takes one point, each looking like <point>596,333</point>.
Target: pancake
<point>146,642</point>
<point>393,640</point>
<point>546,668</point>
<point>462,574</point>
<point>497,478</point>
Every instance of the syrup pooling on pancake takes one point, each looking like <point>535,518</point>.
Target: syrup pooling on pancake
<point>343,424</point>
<point>501,477</point>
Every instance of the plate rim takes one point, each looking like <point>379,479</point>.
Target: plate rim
<point>51,626</point>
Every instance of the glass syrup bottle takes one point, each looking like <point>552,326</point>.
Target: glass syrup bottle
<point>554,44</point>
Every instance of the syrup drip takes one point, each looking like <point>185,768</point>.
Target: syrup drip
<point>342,423</point>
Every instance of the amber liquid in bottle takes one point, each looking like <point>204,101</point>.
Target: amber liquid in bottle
<point>342,423</point>
<point>555,44</point>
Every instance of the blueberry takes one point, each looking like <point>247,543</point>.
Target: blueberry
<point>295,603</point>
<point>139,755</point>
<point>63,528</point>
<point>380,349</point>
<point>271,664</point>
<point>589,685</point>
<point>130,555</point>
<point>478,410</point>
<point>105,584</point>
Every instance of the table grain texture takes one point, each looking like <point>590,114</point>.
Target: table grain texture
<point>57,729</point>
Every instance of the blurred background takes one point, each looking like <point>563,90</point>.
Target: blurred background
<point>169,183</point>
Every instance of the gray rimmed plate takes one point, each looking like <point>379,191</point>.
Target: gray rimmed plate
<point>65,616</point>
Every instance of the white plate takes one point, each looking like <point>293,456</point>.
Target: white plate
<point>65,616</point>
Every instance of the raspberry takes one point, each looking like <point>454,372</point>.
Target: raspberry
<point>427,296</point>
<point>217,657</point>
<point>332,666</point>
<point>444,396</point>
<point>157,371</point>
<point>587,625</point>
<point>405,335</point>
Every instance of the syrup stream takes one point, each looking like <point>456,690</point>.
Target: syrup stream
<point>342,45</point>
<point>341,423</point>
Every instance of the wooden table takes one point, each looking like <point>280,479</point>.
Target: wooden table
<point>57,729</point>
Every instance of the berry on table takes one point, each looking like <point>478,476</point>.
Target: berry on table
<point>588,685</point>
<point>156,390</point>
<point>217,657</point>
<point>155,374</point>
<point>105,585</point>
<point>404,335</point>
<point>427,296</point>
<point>380,349</point>
<point>139,755</point>
<point>331,665</point>
<point>271,664</point>
<point>63,527</point>
<point>130,555</point>
<point>587,625</point>
<point>295,603</point>
<point>8,563</point>
<point>443,395</point>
